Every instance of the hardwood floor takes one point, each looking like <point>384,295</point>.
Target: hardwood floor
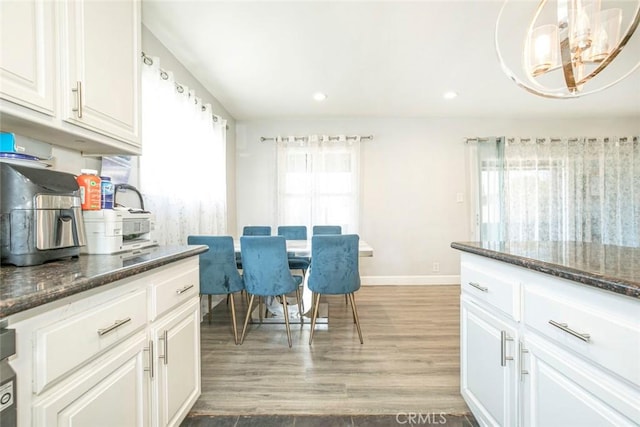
<point>409,362</point>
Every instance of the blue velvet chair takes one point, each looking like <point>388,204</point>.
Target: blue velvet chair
<point>266,273</point>
<point>326,229</point>
<point>256,230</point>
<point>218,272</point>
<point>252,230</point>
<point>295,232</point>
<point>334,270</point>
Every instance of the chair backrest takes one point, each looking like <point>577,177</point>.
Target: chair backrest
<point>327,229</point>
<point>293,232</point>
<point>218,272</point>
<point>334,264</point>
<point>256,230</point>
<point>265,267</point>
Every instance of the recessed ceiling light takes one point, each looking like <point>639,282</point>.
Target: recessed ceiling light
<point>450,95</point>
<point>319,96</point>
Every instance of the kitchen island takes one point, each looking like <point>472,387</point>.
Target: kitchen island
<point>550,333</point>
<point>101,332</point>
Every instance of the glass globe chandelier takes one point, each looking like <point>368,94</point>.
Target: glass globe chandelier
<point>568,48</point>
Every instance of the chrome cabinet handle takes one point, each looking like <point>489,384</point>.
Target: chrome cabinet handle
<point>116,325</point>
<point>165,340</point>
<point>503,348</point>
<point>564,327</point>
<point>150,350</point>
<point>477,286</point>
<point>521,352</point>
<point>78,91</point>
<point>183,290</point>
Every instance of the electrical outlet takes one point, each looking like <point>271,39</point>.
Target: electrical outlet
<point>436,267</point>
<point>459,197</point>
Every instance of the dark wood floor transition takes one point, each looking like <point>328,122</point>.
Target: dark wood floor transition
<point>408,365</point>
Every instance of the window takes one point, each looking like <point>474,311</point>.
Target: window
<point>318,183</point>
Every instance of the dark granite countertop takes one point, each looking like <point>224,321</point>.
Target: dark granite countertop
<point>613,268</point>
<point>22,288</point>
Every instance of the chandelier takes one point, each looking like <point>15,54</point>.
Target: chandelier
<point>568,48</point>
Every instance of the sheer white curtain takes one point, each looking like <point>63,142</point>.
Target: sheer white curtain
<point>319,181</point>
<point>182,168</point>
<point>582,189</point>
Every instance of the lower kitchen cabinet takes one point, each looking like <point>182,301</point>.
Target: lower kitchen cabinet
<point>488,369</point>
<point>125,354</point>
<point>176,384</point>
<point>112,392</point>
<point>563,354</point>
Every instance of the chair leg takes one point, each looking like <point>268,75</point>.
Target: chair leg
<point>314,316</point>
<point>346,299</point>
<point>210,313</point>
<point>285,310</point>
<point>233,319</point>
<point>259,307</point>
<point>352,298</point>
<point>246,319</point>
<point>300,313</point>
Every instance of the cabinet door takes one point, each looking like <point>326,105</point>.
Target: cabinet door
<point>487,366</point>
<point>560,390</point>
<point>102,80</point>
<point>27,70</point>
<point>114,392</point>
<point>177,385</point>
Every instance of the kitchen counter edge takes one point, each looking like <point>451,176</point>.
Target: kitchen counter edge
<point>607,281</point>
<point>158,257</point>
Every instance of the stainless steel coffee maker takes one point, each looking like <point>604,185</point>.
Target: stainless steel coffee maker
<point>40,215</point>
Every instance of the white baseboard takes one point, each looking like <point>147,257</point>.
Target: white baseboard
<point>410,280</point>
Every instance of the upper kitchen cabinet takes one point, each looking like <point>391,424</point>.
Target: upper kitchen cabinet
<point>27,67</point>
<point>69,73</point>
<point>101,68</point>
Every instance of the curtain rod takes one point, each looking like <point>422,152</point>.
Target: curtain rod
<point>147,60</point>
<point>306,138</point>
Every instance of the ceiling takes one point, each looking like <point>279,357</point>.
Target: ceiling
<point>265,60</point>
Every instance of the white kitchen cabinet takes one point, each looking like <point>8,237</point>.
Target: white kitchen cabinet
<point>575,349</point>
<point>105,356</point>
<point>69,73</point>
<point>101,75</point>
<point>112,392</point>
<point>27,64</point>
<point>488,369</point>
<point>176,385</point>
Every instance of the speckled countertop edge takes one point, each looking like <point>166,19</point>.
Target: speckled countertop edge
<point>610,283</point>
<point>9,306</point>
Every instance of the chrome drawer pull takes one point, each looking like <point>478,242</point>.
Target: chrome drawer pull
<point>183,290</point>
<point>150,350</point>
<point>165,340</point>
<point>78,91</point>
<point>565,328</point>
<point>503,348</point>
<point>521,353</point>
<point>116,325</point>
<point>477,286</point>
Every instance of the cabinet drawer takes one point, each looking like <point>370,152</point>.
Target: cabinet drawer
<point>492,286</point>
<point>69,343</point>
<point>608,338</point>
<point>175,285</point>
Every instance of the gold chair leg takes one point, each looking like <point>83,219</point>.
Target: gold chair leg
<point>352,298</point>
<point>314,316</point>
<point>246,319</point>
<point>233,319</point>
<point>285,309</point>
<point>299,306</point>
<point>209,314</point>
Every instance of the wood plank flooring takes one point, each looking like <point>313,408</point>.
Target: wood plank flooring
<point>409,361</point>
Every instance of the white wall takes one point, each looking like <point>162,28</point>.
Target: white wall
<point>411,173</point>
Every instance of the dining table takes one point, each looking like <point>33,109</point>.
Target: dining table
<point>274,312</point>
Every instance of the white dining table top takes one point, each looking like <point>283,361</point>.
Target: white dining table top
<point>302,248</point>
